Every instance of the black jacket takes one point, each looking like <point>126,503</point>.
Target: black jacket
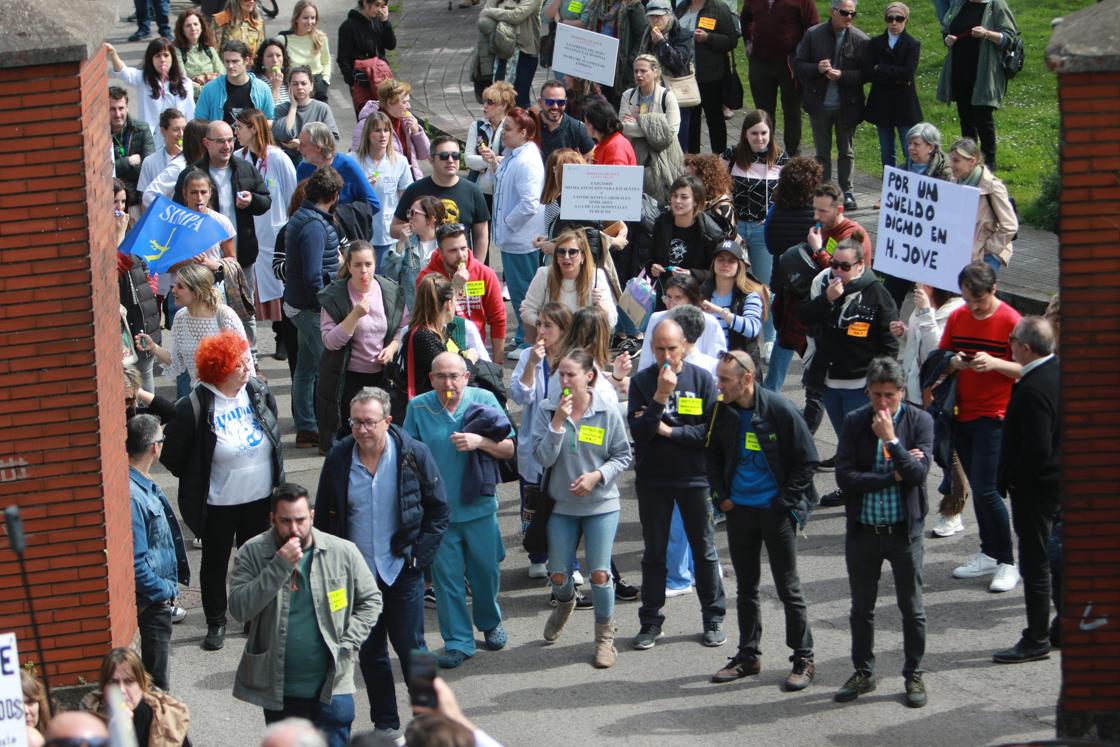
<point>698,259</point>
<point>359,38</point>
<point>1030,454</point>
<point>139,300</point>
<point>135,140</point>
<point>786,443</point>
<point>244,177</point>
<point>855,463</point>
<point>893,100</point>
<point>424,513</point>
<point>819,43</point>
<point>676,460</point>
<point>711,56</point>
<point>853,330</point>
<point>188,448</point>
<point>674,51</point>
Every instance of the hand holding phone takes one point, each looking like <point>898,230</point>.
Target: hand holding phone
<point>421,674</point>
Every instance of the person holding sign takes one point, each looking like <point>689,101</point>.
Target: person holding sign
<point>625,20</point>
<point>997,225</point>
<point>760,461</point>
<point>714,36</point>
<point>581,444</point>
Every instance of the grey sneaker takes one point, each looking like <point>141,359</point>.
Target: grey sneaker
<point>713,635</point>
<point>915,691</point>
<point>646,637</point>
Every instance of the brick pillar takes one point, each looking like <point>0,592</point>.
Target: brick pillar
<point>1083,52</point>
<point>62,456</point>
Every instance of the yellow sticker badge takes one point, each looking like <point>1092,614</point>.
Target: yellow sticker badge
<point>575,6</point>
<point>690,406</point>
<point>337,599</point>
<point>752,442</point>
<point>830,247</point>
<point>708,24</point>
<point>476,288</point>
<point>589,434</point>
<point>858,329</point>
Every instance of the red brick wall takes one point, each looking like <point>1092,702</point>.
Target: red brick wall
<point>61,390</point>
<point>1090,293</point>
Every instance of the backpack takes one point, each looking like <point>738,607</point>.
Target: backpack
<point>1012,57</point>
<point>368,75</point>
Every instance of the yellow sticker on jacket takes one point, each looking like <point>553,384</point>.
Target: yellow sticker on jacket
<point>476,288</point>
<point>708,24</point>
<point>337,599</point>
<point>830,247</point>
<point>575,6</point>
<point>858,329</point>
<point>752,442</point>
<point>589,434</point>
<point>690,406</point>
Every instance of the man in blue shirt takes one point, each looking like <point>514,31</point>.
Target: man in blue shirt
<point>472,546</point>
<point>882,460</point>
<point>159,557</point>
<point>761,460</point>
<point>381,490</point>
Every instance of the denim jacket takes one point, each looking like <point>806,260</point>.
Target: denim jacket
<point>159,557</point>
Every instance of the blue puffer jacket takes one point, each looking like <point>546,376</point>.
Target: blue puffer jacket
<point>424,513</point>
<point>311,256</point>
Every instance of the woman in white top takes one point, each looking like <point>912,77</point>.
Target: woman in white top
<point>571,279</point>
<point>307,45</point>
<point>172,123</point>
<point>484,148</point>
<point>193,149</point>
<point>160,85</point>
<point>388,172</point>
<point>679,290</point>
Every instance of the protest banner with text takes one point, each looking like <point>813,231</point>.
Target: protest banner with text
<point>13,727</point>
<point>584,54</point>
<point>606,193</point>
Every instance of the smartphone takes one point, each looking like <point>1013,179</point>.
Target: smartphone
<point>421,673</point>
<point>966,356</point>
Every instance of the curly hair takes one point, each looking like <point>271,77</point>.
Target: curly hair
<point>219,356</point>
<point>798,181</point>
<point>709,169</point>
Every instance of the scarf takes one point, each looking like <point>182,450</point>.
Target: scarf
<point>973,179</point>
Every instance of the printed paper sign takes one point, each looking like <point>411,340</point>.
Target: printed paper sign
<point>476,288</point>
<point>589,434</point>
<point>337,599</point>
<point>925,228</point>
<point>690,406</point>
<point>585,54</point>
<point>13,728</point>
<point>605,193</point>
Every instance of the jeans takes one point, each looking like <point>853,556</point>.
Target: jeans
<point>401,623</point>
<point>1033,512</point>
<point>748,529</point>
<point>563,537</point>
<point>154,622</point>
<point>519,270</point>
<point>839,402</point>
<point>307,371</point>
<point>886,142</point>
<point>222,526</point>
<point>333,719</point>
<point>823,125</point>
<point>523,77</point>
<point>711,102</point>
<point>655,511</point>
<point>762,264</point>
<point>379,254</point>
<point>686,127</point>
<point>993,262</point>
<point>977,443</point>
<point>162,11</point>
<point>814,409</point>
<point>777,368</point>
<point>678,561</point>
<point>864,553</point>
<point>766,79</point>
<point>977,122</point>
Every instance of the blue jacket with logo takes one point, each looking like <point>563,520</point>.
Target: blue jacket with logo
<point>159,557</point>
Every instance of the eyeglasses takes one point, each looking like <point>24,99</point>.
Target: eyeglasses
<point>448,376</point>
<point>567,252</point>
<point>845,266</point>
<point>728,356</point>
<point>556,103</point>
<point>365,424</point>
<point>896,19</point>
<point>221,140</point>
<point>447,155</point>
<point>846,13</point>
<point>490,102</point>
<point>448,229</point>
<point>417,211</point>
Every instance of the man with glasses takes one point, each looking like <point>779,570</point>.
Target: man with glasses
<point>558,128</point>
<point>463,200</point>
<point>381,490</point>
<point>829,64</point>
<point>159,555</point>
<point>472,545</point>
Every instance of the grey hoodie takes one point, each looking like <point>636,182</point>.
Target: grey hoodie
<point>568,456</point>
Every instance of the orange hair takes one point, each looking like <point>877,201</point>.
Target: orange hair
<point>219,356</point>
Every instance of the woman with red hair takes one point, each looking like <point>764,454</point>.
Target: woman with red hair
<point>224,446</point>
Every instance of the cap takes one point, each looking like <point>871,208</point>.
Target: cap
<point>658,8</point>
<point>734,249</point>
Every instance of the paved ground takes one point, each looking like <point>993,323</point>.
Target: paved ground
<point>533,694</point>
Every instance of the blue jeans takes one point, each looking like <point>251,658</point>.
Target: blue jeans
<point>523,77</point>
<point>333,719</point>
<point>678,555</point>
<point>977,443</point>
<point>762,263</point>
<point>776,370</point>
<point>154,623</point>
<point>519,270</point>
<point>598,533</point>
<point>993,262</point>
<point>839,402</point>
<point>401,623</point>
<point>162,11</point>
<point>886,142</point>
<point>307,371</point>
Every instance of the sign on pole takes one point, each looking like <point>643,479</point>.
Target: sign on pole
<point>13,727</point>
<point>606,193</point>
<point>925,228</point>
<point>584,54</point>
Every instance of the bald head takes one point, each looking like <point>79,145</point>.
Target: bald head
<point>292,732</point>
<point>1032,338</point>
<point>76,725</point>
<point>668,343</point>
<point>449,377</point>
<point>219,143</point>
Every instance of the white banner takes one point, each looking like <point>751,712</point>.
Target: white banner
<point>584,54</point>
<point>925,228</point>
<point>606,193</point>
<point>13,727</point>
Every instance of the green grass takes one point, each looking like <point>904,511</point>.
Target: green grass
<point>1027,125</point>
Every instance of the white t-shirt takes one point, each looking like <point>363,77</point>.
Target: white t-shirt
<point>241,470</point>
<point>393,175</point>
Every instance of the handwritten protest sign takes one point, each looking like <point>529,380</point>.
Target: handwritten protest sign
<point>584,54</point>
<point>13,728</point>
<point>606,193</point>
<point>925,228</point>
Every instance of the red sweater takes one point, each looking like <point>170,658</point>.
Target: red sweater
<point>842,230</point>
<point>614,150</point>
<point>981,395</point>
<point>775,31</point>
<point>483,308</point>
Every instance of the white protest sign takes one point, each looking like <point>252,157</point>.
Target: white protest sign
<point>13,727</point>
<point>605,193</point>
<point>584,54</point>
<point>925,228</point>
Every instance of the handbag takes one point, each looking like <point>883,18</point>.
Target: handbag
<point>684,88</point>
<point>733,87</point>
<point>397,380</point>
<point>637,299</point>
<point>538,508</point>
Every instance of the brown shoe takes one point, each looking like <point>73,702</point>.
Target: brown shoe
<point>802,675</point>
<point>307,440</point>
<point>605,652</point>
<point>738,666</point>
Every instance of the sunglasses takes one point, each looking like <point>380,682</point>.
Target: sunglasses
<point>896,19</point>
<point>417,211</point>
<point>846,13</point>
<point>567,252</point>
<point>452,155</point>
<point>555,103</point>
<point>448,229</point>
<point>489,102</point>
<point>728,356</point>
<point>845,266</point>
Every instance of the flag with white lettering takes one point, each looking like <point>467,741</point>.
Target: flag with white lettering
<point>168,233</point>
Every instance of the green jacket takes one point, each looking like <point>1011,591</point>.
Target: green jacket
<point>347,604</point>
<point>991,83</point>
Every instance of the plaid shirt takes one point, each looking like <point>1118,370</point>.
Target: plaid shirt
<point>883,506</point>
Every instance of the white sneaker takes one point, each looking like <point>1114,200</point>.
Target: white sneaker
<point>577,578</point>
<point>1006,578</point>
<point>947,526</point>
<point>178,614</point>
<point>538,570</point>
<point>671,592</point>
<point>978,565</point>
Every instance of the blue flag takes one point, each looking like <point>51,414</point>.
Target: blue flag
<point>168,233</point>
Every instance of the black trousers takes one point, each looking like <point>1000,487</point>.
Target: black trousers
<point>977,122</point>
<point>711,103</point>
<point>154,622</point>
<point>223,526</point>
<point>766,79</point>
<point>1033,513</point>
<point>748,529</point>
